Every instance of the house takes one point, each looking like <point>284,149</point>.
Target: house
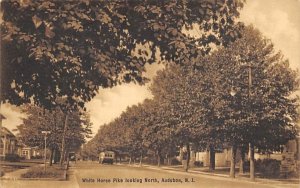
<point>8,142</point>
<point>222,158</point>
<point>27,152</point>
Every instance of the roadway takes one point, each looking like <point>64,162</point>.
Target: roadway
<point>95,175</point>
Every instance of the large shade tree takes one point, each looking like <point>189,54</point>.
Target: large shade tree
<point>262,108</point>
<point>55,48</point>
<point>189,104</point>
<point>38,120</point>
<point>158,135</point>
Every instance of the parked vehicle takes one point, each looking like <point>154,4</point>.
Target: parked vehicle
<point>107,157</point>
<point>72,156</point>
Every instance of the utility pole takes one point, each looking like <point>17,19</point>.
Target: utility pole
<point>45,152</point>
<point>251,146</point>
<point>63,144</point>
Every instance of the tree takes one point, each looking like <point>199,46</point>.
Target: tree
<point>54,49</point>
<point>262,111</point>
<point>189,103</point>
<point>39,120</point>
<point>157,134</point>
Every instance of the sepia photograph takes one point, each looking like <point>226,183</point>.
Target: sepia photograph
<point>150,93</point>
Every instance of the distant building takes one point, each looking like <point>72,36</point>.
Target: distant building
<point>223,158</point>
<point>27,152</point>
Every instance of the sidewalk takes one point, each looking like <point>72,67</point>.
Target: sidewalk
<point>16,174</point>
<point>199,171</point>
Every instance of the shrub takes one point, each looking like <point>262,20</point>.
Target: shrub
<point>2,158</point>
<point>38,172</point>
<point>37,157</point>
<point>198,163</point>
<point>1,173</point>
<point>268,167</point>
<point>12,157</point>
<point>175,161</point>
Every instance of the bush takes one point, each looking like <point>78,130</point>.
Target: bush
<point>268,167</point>
<point>175,161</point>
<point>37,157</point>
<point>12,157</point>
<point>2,158</point>
<point>1,173</point>
<point>198,163</point>
<point>152,160</point>
<point>38,172</point>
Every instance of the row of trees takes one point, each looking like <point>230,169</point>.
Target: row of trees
<point>56,49</point>
<point>238,96</point>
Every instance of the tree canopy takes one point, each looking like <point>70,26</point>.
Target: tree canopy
<point>71,48</point>
<point>199,105</point>
<point>38,120</point>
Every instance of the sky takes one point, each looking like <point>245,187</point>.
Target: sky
<point>278,20</point>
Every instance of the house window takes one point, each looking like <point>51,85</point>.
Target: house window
<point>24,152</point>
<point>1,147</point>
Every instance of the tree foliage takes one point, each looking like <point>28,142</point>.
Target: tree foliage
<point>264,110</point>
<point>194,103</point>
<point>71,48</point>
<point>38,120</point>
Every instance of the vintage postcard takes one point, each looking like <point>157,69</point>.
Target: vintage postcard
<point>149,93</point>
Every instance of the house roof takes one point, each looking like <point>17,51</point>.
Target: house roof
<point>6,132</point>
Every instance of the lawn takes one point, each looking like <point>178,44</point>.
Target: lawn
<point>51,172</point>
<point>6,167</point>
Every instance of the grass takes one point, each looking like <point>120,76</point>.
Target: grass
<point>38,172</point>
<point>21,163</point>
<point>7,167</point>
<point>10,168</point>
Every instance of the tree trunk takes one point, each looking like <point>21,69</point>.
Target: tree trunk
<point>252,170</point>
<point>232,163</point>
<point>67,159</point>
<point>141,158</point>
<point>62,155</point>
<point>188,156</point>
<point>130,159</point>
<point>55,154</point>
<point>212,159</point>
<point>51,157</point>
<point>158,158</point>
<point>242,162</point>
